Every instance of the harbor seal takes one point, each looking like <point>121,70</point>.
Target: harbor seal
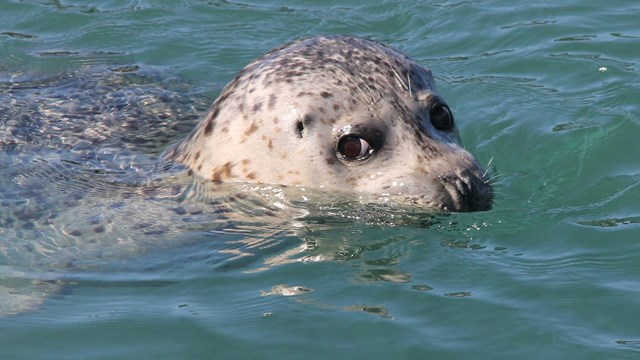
<point>339,113</point>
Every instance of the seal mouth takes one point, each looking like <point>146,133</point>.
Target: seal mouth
<point>466,193</point>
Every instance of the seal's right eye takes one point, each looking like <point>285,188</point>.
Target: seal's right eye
<point>354,148</point>
<point>441,117</point>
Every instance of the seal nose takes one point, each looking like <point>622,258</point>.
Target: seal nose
<point>468,192</point>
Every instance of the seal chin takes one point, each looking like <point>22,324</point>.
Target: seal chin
<point>466,192</point>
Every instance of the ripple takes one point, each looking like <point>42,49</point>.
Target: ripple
<point>18,35</point>
<point>391,275</point>
<point>378,310</point>
<point>577,38</point>
<point>611,222</point>
<point>459,294</point>
<point>285,290</point>
<point>529,23</point>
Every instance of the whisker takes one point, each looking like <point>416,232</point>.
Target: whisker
<point>487,167</point>
<point>490,161</point>
<point>399,79</point>
<point>405,86</point>
<point>491,179</point>
<point>370,98</point>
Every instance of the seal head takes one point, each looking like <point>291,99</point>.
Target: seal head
<point>339,113</point>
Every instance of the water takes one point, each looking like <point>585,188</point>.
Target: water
<point>548,90</point>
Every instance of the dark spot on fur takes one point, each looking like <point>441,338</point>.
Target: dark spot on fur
<point>224,96</point>
<point>326,94</point>
<point>272,101</point>
<point>330,160</point>
<point>99,229</point>
<point>251,129</point>
<point>221,172</point>
<point>210,121</point>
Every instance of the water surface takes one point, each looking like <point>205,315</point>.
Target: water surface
<point>547,91</point>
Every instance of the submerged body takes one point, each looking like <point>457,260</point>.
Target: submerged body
<point>342,114</point>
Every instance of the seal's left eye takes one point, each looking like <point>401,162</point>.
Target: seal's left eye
<point>353,148</point>
<point>441,117</point>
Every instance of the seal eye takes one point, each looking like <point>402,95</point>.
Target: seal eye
<point>441,117</point>
<point>354,148</point>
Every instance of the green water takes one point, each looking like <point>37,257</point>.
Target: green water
<point>546,91</point>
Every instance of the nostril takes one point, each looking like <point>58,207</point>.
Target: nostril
<point>468,193</point>
<point>461,186</point>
